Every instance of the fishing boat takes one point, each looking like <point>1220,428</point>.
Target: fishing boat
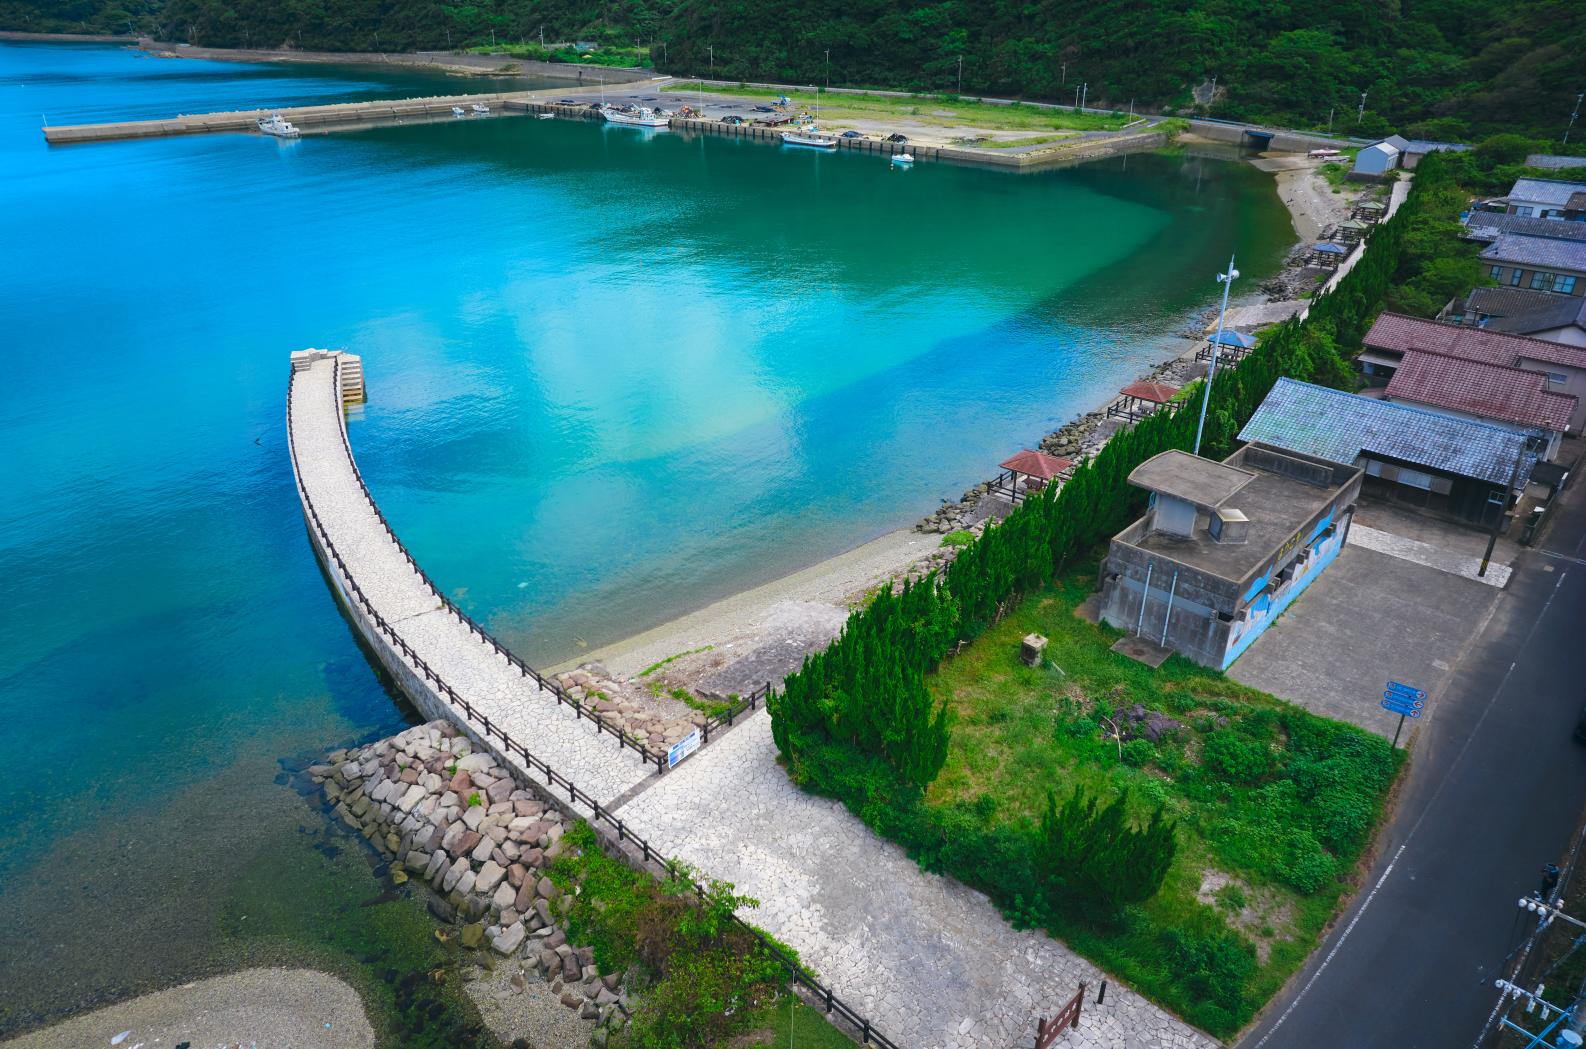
<point>811,137</point>
<point>903,159</point>
<point>278,126</point>
<point>644,116</point>
<point>458,111</point>
<point>481,109</point>
<point>547,116</point>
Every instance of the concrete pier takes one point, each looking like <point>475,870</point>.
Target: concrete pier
<point>445,664</point>
<point>341,114</point>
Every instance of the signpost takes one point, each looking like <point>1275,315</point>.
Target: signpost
<point>1405,701</point>
<point>682,749</point>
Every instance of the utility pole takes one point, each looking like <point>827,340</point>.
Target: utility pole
<point>1076,98</point>
<point>1084,96</point>
<point>960,76</point>
<point>1227,281</point>
<point>1062,76</point>
<point>1330,111</point>
<point>712,48</point>
<point>1131,115</point>
<point>1360,114</point>
<point>1213,98</point>
<point>542,38</point>
<point>1573,116</point>
<point>828,69</point>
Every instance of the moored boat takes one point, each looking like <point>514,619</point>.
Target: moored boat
<point>481,109</point>
<point>903,159</point>
<point>810,137</point>
<point>457,111</point>
<point>278,126</point>
<point>644,116</point>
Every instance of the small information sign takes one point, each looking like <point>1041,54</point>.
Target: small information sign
<point>682,749</point>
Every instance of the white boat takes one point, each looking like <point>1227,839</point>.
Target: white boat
<point>811,137</point>
<point>644,116</point>
<point>480,108</point>
<point>547,116</point>
<point>903,159</point>
<point>278,126</point>
<point>458,111</point>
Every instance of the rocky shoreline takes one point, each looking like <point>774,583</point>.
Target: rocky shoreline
<point>442,813</point>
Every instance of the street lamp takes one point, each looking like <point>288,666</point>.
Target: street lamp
<point>1226,280</point>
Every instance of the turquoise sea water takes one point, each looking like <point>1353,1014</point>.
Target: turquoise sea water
<point>612,376</point>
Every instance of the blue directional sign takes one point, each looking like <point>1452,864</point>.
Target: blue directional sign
<point>1403,699</point>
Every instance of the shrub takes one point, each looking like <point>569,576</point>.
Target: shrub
<point>1138,752</point>
<point>958,537</point>
<point>1236,758</point>
<point>1213,966</point>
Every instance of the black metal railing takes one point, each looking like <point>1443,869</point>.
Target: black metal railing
<point>745,704</point>
<point>624,739</point>
<point>555,781</point>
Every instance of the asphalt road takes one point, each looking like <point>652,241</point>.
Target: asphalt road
<point>1495,790</point>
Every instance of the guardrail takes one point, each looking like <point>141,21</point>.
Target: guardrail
<point>554,779</point>
<point>547,684</point>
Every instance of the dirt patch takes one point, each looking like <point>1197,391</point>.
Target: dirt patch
<point>1260,914</point>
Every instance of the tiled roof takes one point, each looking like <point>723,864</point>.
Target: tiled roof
<point>1037,464</point>
<point>1489,390</point>
<point>1576,201</point>
<point>1155,392</point>
<point>1508,302</point>
<point>1550,160</point>
<point>1338,426</point>
<point>1560,312</point>
<point>1541,252</point>
<point>1486,225</point>
<point>1397,333</point>
<point>1544,190</point>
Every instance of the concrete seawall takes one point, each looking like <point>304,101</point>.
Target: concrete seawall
<point>439,661</point>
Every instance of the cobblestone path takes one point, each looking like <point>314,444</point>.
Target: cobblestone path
<point>551,731</point>
<point>930,962</point>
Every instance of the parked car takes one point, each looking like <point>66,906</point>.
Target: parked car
<point>567,101</point>
<point>1320,154</point>
<point>852,134</point>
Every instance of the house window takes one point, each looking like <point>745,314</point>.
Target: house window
<point>1415,478</point>
<point>1514,277</point>
<point>1557,379</point>
<point>1496,273</point>
<point>1564,284</point>
<point>1541,281</point>
<point>1525,210</point>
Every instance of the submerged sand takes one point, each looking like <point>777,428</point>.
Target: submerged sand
<point>258,1008</point>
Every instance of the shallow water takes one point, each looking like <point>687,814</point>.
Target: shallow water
<point>612,375</point>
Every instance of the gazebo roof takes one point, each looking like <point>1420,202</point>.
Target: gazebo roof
<point>1353,224</point>
<point>1037,464</point>
<point>1234,338</point>
<point>1371,205</point>
<point>1155,392</point>
<point>1328,247</point>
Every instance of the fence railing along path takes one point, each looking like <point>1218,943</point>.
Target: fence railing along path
<point>477,720</point>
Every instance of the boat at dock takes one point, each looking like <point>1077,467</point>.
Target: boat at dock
<point>457,111</point>
<point>903,159</point>
<point>279,126</point>
<point>643,116</point>
<point>481,109</point>
<point>811,138</point>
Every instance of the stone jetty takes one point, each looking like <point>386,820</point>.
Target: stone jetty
<point>454,818</point>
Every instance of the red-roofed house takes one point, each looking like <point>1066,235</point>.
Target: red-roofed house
<point>1393,335</point>
<point>1488,392</point>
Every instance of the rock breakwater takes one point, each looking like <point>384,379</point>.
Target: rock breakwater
<point>452,817</point>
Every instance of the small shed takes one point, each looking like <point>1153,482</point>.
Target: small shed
<point>1376,160</point>
<point>1139,399</point>
<point>1029,471</point>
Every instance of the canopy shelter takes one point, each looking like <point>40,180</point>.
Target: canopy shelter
<point>1326,254</point>
<point>1139,399</point>
<point>1370,210</point>
<point>1029,471</point>
<point>1349,231</point>
<point>1232,346</point>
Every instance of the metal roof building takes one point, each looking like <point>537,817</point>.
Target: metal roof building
<point>1342,427</point>
<point>1487,225</point>
<point>1538,252</point>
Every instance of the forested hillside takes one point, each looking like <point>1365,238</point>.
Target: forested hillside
<point>1437,68</point>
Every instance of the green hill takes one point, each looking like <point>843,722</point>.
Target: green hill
<point>1434,68</point>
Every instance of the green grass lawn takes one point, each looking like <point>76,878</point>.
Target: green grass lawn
<point>619,57</point>
<point>934,110</point>
<point>1274,805</point>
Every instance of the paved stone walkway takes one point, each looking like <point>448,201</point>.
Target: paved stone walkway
<point>551,731</point>
<point>930,962</point>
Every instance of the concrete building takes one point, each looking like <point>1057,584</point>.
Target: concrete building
<point>1393,335</point>
<point>1451,467</point>
<point>1547,264</point>
<point>1486,392</point>
<point>1379,158</point>
<point>1225,547</point>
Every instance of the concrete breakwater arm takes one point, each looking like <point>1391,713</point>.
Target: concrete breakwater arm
<point>414,633</point>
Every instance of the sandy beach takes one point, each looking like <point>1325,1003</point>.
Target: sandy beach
<point>259,1008</point>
